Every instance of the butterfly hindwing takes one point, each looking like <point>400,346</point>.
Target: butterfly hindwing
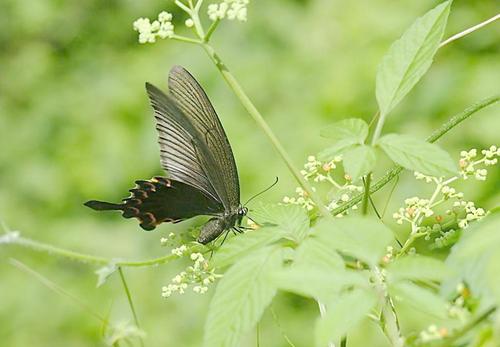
<point>162,200</point>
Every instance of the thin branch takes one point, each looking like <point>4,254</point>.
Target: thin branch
<point>470,30</point>
<point>130,302</point>
<point>92,259</point>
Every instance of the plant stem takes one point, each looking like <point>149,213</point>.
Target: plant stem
<point>252,110</point>
<point>130,302</point>
<point>87,258</point>
<point>322,313</point>
<point>468,327</point>
<point>470,30</point>
<point>366,193</point>
<point>389,318</point>
<point>211,30</point>
<point>436,135</point>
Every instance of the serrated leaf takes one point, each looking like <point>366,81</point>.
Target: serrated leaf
<point>342,314</point>
<point>359,161</point>
<point>104,273</point>
<point>316,282</point>
<point>292,220</point>
<point>237,247</point>
<point>365,238</point>
<point>353,129</point>
<point>240,298</point>
<point>409,58</point>
<point>419,298</point>
<point>417,267</point>
<point>417,155</point>
<point>345,134</point>
<point>476,261</point>
<point>337,149</point>
<point>313,252</point>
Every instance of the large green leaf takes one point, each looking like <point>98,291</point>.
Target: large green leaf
<point>239,246</point>
<point>416,267</point>
<point>240,298</point>
<point>359,161</point>
<point>410,57</point>
<point>313,252</point>
<point>317,282</point>
<point>365,238</point>
<point>344,134</point>
<point>419,298</point>
<point>417,155</point>
<point>476,260</point>
<point>291,220</point>
<point>342,314</point>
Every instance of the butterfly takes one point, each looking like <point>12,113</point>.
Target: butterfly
<point>194,150</point>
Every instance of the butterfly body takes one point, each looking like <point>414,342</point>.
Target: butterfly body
<point>195,151</point>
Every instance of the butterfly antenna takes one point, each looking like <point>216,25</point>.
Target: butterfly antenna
<point>262,192</point>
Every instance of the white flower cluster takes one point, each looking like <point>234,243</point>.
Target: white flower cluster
<point>230,9</point>
<point>432,333</point>
<point>472,213</point>
<point>168,241</point>
<point>199,274</point>
<point>302,199</point>
<point>414,207</point>
<point>179,251</point>
<point>319,171</point>
<point>148,32</point>
<point>469,161</point>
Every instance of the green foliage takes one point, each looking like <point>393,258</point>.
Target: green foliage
<point>476,260</point>
<point>343,134</point>
<point>410,57</point>
<point>365,238</point>
<point>417,155</point>
<point>417,267</point>
<point>240,298</point>
<point>419,298</point>
<point>344,312</point>
<point>81,105</point>
<point>291,221</point>
<point>359,161</point>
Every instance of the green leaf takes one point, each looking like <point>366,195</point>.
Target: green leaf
<point>359,161</point>
<point>291,220</point>
<point>365,238</point>
<point>342,314</point>
<point>237,247</point>
<point>240,298</point>
<point>319,283</point>
<point>345,134</point>
<point>417,155</point>
<point>409,58</point>
<point>313,252</point>
<point>417,267</point>
<point>476,260</point>
<point>354,129</point>
<point>419,298</point>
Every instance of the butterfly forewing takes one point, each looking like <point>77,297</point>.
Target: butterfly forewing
<point>179,156</point>
<point>195,105</point>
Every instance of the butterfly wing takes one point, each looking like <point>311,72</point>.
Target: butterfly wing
<point>177,139</point>
<point>162,200</point>
<point>214,150</point>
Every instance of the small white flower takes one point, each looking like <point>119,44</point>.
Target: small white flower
<point>189,23</point>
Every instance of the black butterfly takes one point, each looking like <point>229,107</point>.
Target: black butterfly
<point>195,151</point>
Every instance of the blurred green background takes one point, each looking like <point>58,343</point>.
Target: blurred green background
<point>75,124</point>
